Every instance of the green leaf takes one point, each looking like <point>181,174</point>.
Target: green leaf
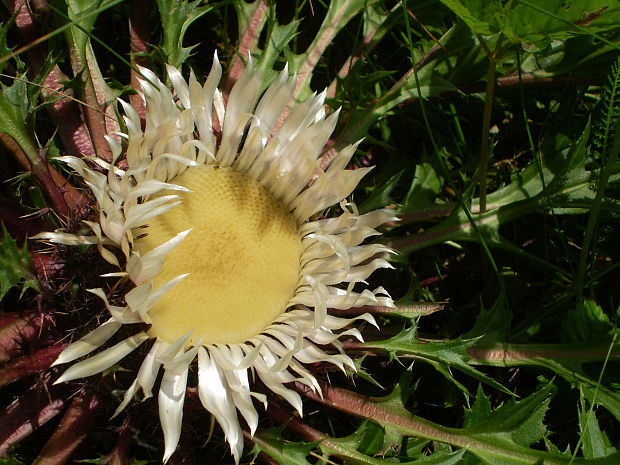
<point>499,440</point>
<point>380,196</point>
<point>562,186</point>
<point>440,457</point>
<point>176,17</point>
<point>369,440</point>
<point>562,18</point>
<point>11,461</point>
<point>596,393</point>
<point>607,122</point>
<point>425,186</point>
<point>551,19</point>
<point>15,266</point>
<point>492,324</point>
<point>482,16</point>
<point>4,47</point>
<point>479,412</point>
<point>441,355</point>
<point>293,453</point>
<point>84,14</point>
<point>594,442</point>
<point>362,373</point>
<point>585,323</point>
<point>14,110</point>
<point>520,422</point>
<point>278,37</point>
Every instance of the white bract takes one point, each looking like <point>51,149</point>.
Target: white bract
<point>211,219</point>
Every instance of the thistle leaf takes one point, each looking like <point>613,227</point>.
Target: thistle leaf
<point>293,453</point>
<point>595,443</point>
<point>176,17</point>
<point>15,266</point>
<point>442,355</point>
<point>585,323</point>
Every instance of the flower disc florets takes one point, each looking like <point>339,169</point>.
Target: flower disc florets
<point>216,235</point>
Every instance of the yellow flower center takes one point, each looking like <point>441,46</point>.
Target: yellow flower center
<point>242,256</point>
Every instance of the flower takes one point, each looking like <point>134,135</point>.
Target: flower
<point>210,218</point>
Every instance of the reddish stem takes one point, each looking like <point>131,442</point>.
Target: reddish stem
<point>71,431</point>
<point>36,407</point>
<point>139,34</point>
<point>36,362</point>
<point>246,44</point>
<point>94,111</point>
<point>64,112</point>
<point>120,453</point>
<point>48,265</point>
<point>293,423</point>
<point>39,166</point>
<point>28,327</point>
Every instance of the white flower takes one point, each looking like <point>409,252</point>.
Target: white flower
<point>211,220</point>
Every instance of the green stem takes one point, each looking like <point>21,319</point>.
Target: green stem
<point>595,212</point>
<point>486,121</point>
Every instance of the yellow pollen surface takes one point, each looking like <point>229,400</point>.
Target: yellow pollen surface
<point>242,256</point>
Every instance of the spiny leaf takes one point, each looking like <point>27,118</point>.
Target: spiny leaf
<point>369,441</point>
<point>479,411</point>
<point>4,47</point>
<point>338,14</point>
<point>15,265</point>
<point>278,38</point>
<point>601,395</point>
<point>520,422</point>
<point>362,373</point>
<point>563,187</point>
<point>293,453</point>
<point>559,19</point>
<point>380,196</point>
<point>594,442</point>
<point>499,441</point>
<point>176,17</point>
<point>442,355</point>
<point>492,324</point>
<point>571,370</point>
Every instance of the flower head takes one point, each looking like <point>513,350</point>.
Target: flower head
<point>211,218</point>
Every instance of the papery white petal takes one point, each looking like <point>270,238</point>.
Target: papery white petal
<point>149,369</point>
<point>215,397</point>
<point>88,343</point>
<point>103,360</point>
<point>129,394</point>
<point>66,238</point>
<point>123,315</point>
<point>142,269</point>
<point>171,399</point>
